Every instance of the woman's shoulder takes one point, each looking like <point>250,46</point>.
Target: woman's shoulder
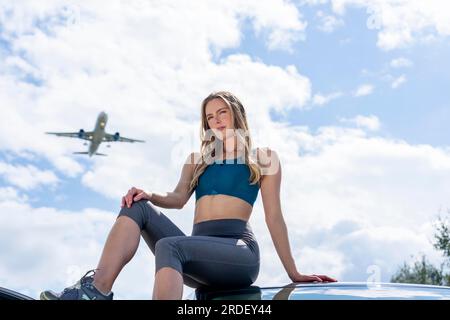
<point>268,160</point>
<point>193,158</point>
<point>264,155</point>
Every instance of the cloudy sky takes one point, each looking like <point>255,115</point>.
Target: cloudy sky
<point>352,94</point>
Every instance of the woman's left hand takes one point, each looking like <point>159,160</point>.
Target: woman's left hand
<point>311,278</point>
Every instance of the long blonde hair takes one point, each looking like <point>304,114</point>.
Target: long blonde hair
<point>208,148</point>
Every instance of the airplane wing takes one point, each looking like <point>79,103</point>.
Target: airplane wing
<point>116,137</point>
<point>84,152</point>
<point>88,135</point>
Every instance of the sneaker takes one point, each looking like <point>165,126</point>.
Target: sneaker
<point>84,289</point>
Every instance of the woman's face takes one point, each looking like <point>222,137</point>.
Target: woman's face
<point>218,116</point>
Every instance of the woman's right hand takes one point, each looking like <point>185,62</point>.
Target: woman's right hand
<point>298,277</point>
<point>133,195</point>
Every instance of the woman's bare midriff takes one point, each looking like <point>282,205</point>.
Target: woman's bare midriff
<point>220,206</point>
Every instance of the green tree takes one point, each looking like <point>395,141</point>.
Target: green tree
<point>442,237</point>
<point>421,272</point>
<point>424,272</point>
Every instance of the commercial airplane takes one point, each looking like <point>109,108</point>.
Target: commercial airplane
<point>95,137</point>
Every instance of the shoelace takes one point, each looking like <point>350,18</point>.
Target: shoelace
<point>85,277</point>
<point>80,282</point>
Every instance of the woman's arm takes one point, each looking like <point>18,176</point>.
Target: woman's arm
<point>168,200</point>
<point>279,234</point>
<point>270,191</point>
<point>180,195</point>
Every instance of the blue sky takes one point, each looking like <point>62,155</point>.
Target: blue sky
<point>334,61</point>
<point>358,115</point>
<point>408,113</point>
<point>415,112</point>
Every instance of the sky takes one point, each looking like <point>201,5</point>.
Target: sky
<point>352,95</point>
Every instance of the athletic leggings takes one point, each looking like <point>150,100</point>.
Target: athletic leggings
<point>219,253</point>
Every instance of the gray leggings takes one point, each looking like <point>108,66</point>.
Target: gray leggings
<point>219,253</point>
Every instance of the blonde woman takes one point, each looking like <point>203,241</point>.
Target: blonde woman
<point>226,176</point>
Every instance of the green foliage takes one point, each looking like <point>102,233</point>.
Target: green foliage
<point>421,272</point>
<point>442,237</point>
<point>424,272</point>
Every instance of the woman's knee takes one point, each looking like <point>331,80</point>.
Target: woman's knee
<point>166,245</point>
<point>167,254</point>
<point>137,212</point>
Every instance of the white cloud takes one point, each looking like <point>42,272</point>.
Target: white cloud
<point>343,188</point>
<point>401,63</point>
<point>385,73</point>
<point>319,99</point>
<point>375,176</point>
<point>398,81</point>
<point>139,63</point>
<point>145,78</point>
<point>344,176</point>
<point>57,247</point>
<point>402,23</point>
<point>142,65</point>
<point>364,246</point>
<point>363,90</point>
<point>281,18</point>
<point>313,2</point>
<point>345,41</point>
<point>328,23</point>
<point>12,194</point>
<point>346,188</point>
<point>27,177</point>
<point>371,122</point>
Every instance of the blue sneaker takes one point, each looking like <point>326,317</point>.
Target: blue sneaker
<point>82,290</point>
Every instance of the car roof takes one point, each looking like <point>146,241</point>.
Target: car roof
<point>327,291</point>
<point>7,294</point>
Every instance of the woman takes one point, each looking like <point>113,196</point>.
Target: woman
<point>222,250</point>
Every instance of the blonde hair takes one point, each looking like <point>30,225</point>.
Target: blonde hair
<point>208,148</point>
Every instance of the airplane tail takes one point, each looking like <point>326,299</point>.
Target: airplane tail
<point>97,153</point>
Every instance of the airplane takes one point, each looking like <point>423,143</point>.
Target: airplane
<point>95,137</point>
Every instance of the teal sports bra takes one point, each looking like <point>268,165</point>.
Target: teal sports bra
<point>227,177</point>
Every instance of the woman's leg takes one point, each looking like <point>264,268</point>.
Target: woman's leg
<point>168,284</point>
<point>193,260</point>
<point>142,218</point>
<point>120,247</point>
<point>209,261</point>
